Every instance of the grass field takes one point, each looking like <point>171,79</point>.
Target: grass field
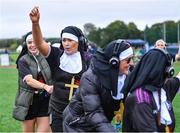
<point>8,87</point>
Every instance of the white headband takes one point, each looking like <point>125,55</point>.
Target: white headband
<point>29,37</point>
<point>126,53</point>
<point>70,36</point>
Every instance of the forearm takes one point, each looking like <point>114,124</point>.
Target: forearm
<point>178,54</point>
<point>177,57</point>
<point>38,39</point>
<point>33,83</point>
<point>36,30</point>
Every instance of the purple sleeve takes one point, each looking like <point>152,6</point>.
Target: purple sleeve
<point>23,68</point>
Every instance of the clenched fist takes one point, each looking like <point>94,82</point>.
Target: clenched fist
<point>35,15</point>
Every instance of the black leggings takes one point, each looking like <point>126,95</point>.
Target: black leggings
<point>56,120</point>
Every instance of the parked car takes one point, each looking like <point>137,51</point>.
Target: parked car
<point>172,49</point>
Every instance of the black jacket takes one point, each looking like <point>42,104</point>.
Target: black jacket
<point>91,108</point>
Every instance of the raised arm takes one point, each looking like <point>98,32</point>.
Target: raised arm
<point>36,30</point>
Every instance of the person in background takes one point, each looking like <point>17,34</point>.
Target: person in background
<point>92,47</point>
<point>67,64</point>
<point>98,98</point>
<point>162,45</point>
<point>148,94</point>
<point>32,99</point>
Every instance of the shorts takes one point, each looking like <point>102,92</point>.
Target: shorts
<point>39,107</point>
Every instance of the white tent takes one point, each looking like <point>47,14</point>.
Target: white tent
<point>56,45</point>
<point>19,48</point>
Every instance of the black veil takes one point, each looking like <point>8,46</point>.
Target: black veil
<point>150,71</point>
<point>108,74</point>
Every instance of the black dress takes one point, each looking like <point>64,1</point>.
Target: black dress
<point>61,94</point>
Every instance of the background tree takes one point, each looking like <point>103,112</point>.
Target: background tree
<point>154,33</point>
<point>116,30</point>
<point>89,27</point>
<point>145,32</point>
<point>134,32</point>
<point>171,31</point>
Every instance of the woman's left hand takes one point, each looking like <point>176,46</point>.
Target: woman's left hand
<point>49,88</point>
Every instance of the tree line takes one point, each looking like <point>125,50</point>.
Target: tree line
<point>117,30</point>
<point>120,30</point>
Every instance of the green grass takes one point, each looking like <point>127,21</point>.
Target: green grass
<point>177,67</point>
<point>8,88</point>
<point>13,58</point>
<point>176,106</point>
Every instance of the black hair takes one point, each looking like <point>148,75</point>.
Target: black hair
<point>24,49</point>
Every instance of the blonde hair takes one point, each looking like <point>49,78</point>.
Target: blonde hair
<point>160,41</point>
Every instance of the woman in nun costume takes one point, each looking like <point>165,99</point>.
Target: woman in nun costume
<point>149,91</point>
<point>67,64</point>
<point>94,104</point>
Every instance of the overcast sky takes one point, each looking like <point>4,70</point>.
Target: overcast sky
<point>56,14</point>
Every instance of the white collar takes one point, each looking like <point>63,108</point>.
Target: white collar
<point>71,63</point>
<point>121,80</point>
<point>165,116</point>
